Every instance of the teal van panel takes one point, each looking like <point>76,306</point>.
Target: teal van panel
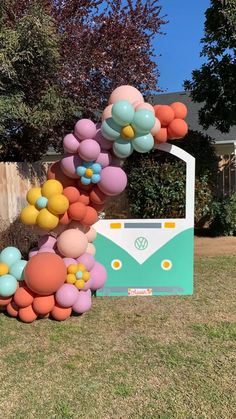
<point>169,271</point>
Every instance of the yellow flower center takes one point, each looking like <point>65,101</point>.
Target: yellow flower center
<point>128,132</point>
<point>3,269</point>
<point>89,172</point>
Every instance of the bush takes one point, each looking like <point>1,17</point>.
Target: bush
<point>224,221</point>
<point>19,235</point>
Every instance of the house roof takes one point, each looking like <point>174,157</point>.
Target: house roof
<point>192,117</point>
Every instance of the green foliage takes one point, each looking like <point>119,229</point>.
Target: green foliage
<point>32,108</point>
<point>224,222</point>
<point>156,181</point>
<point>215,82</point>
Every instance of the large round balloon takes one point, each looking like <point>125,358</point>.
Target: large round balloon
<point>84,129</point>
<point>113,181</point>
<point>72,243</point>
<point>126,92</point>
<point>45,273</point>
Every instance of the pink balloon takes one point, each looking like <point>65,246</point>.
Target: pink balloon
<point>70,143</point>
<point>72,243</point>
<point>91,249</point>
<point>126,92</point>
<point>113,181</point>
<point>104,143</point>
<point>69,163</point>
<point>156,127</point>
<point>69,261</point>
<point>33,252</point>
<point>47,241</point>
<point>91,234</point>
<point>145,105</point>
<point>85,128</point>
<point>89,150</point>
<point>83,302</point>
<point>67,295</point>
<point>45,249</point>
<point>88,260</point>
<point>104,158</point>
<point>107,112</point>
<point>98,276</point>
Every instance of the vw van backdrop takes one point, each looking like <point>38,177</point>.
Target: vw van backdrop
<point>150,257</point>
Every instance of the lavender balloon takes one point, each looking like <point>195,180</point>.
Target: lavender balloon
<point>88,260</point>
<point>47,241</point>
<point>104,143</point>
<point>69,261</point>
<point>104,158</point>
<point>113,181</point>
<point>70,144</point>
<point>69,163</point>
<point>34,251</point>
<point>89,150</point>
<point>67,295</point>
<point>83,302</point>
<point>45,249</point>
<point>98,276</point>
<point>85,128</point>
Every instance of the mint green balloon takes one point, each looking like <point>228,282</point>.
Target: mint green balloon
<point>143,143</point>
<point>17,269</point>
<point>10,255</point>
<point>122,112</point>
<point>144,121</point>
<point>110,130</point>
<point>122,148</point>
<point>8,285</point>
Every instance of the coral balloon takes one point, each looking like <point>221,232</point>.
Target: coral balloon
<point>113,181</point>
<point>77,211</point>
<point>97,196</point>
<point>55,172</point>
<point>45,273</point>
<point>126,92</point>
<point>4,301</point>
<point>23,297</point>
<point>72,194</point>
<point>72,243</point>
<point>161,136</point>
<point>85,128</point>
<point>61,313</point>
<point>165,114</point>
<point>43,304</point>
<point>27,314</point>
<point>12,309</point>
<point>177,129</point>
<point>180,110</point>
<point>84,197</point>
<point>90,217</point>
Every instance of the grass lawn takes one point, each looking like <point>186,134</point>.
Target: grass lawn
<point>137,357</point>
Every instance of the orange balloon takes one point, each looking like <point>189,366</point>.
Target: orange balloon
<point>91,217</point>
<point>4,301</point>
<point>179,109</point>
<point>161,136</point>
<point>64,219</point>
<point>165,114</point>
<point>43,304</point>
<point>45,273</point>
<point>55,172</point>
<point>97,196</point>
<point>177,129</point>
<point>27,314</point>
<point>60,313</point>
<point>77,211</point>
<point>23,297</point>
<point>12,309</point>
<point>84,197</point>
<point>72,194</point>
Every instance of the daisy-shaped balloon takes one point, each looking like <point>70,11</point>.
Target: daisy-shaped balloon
<point>11,270</point>
<point>46,204</point>
<point>129,129</point>
<point>89,172</point>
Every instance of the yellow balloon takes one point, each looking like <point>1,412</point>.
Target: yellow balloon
<point>81,267</point>
<point>33,194</point>
<point>70,279</point>
<point>51,187</point>
<point>80,284</point>
<point>72,269</point>
<point>86,276</point>
<point>3,269</point>
<point>29,215</point>
<point>46,220</point>
<point>58,204</point>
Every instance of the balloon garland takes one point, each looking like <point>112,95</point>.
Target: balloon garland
<point>62,272</point>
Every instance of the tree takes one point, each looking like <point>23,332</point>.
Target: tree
<point>31,101</point>
<point>215,82</point>
<point>61,59</point>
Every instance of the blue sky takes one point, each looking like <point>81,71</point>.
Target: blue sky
<point>180,47</point>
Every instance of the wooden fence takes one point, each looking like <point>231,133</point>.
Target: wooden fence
<point>15,180</point>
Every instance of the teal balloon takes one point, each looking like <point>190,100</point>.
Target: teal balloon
<point>144,143</point>
<point>122,112</point>
<point>122,148</point>
<point>8,285</point>
<point>144,121</point>
<point>10,255</point>
<point>41,202</point>
<point>110,130</point>
<point>17,270</point>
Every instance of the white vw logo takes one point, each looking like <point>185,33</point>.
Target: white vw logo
<point>141,243</point>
